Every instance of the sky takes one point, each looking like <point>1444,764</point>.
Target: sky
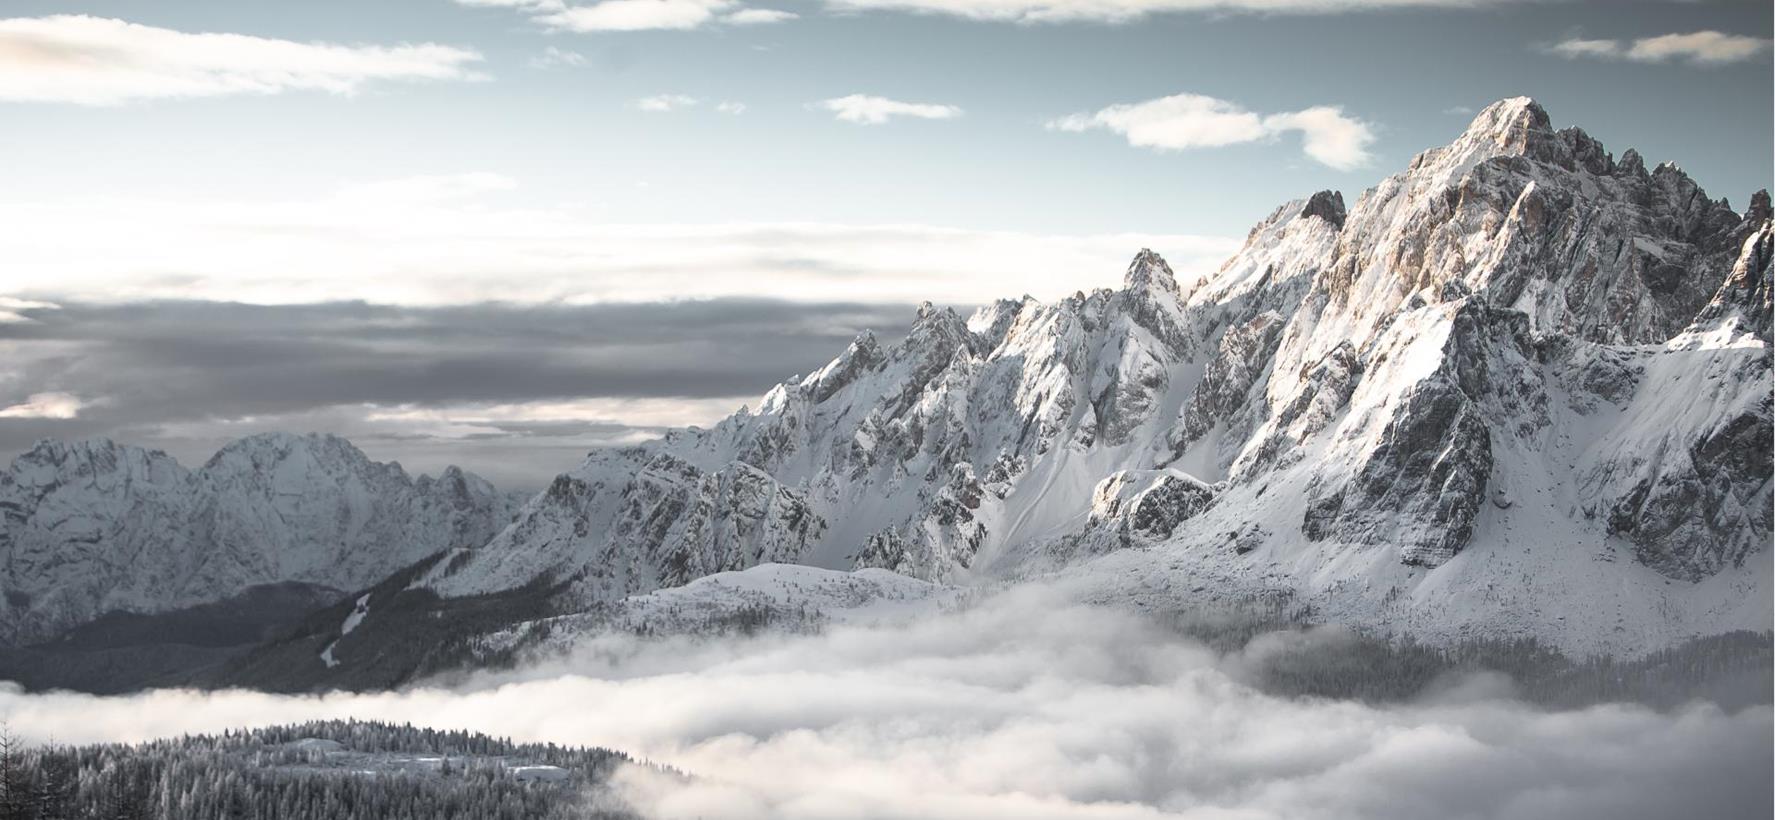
<point>501,232</point>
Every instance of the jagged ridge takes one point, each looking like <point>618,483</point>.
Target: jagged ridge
<point>92,527</point>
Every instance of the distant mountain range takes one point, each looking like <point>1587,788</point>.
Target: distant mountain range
<point>93,527</point>
<point>1522,388</point>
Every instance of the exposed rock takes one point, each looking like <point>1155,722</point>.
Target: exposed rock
<point>1238,365</point>
<point>1422,487</point>
<point>1326,205</point>
<point>1144,506</point>
<point>1492,334</point>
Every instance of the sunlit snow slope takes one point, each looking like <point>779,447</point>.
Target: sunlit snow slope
<point>1520,388</point>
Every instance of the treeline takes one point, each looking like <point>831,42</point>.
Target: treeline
<point>267,773</point>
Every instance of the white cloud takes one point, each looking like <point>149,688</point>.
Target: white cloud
<point>1578,47</point>
<point>1329,135</point>
<point>638,15</point>
<point>102,61</point>
<point>44,406</point>
<point>1186,121</point>
<point>866,109</point>
<point>731,107</point>
<point>662,103</point>
<point>552,57</point>
<point>1023,705</point>
<point>635,15</point>
<point>753,17</point>
<point>1178,122</point>
<point>513,4</point>
<point>1119,11</point>
<point>1698,48</point>
<point>446,239</point>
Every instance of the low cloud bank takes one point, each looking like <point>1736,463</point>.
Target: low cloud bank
<point>1026,705</point>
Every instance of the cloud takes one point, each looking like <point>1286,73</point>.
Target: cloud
<point>471,306</point>
<point>44,406</point>
<point>12,310</point>
<point>100,61</point>
<point>1695,48</point>
<point>1188,121</point>
<point>731,107</point>
<point>1122,11</point>
<point>638,15</point>
<point>1329,136</point>
<point>447,239</point>
<point>428,386</point>
<point>540,5</point>
<point>1578,47</point>
<point>865,109</point>
<point>753,17</point>
<point>662,103</point>
<point>1023,705</point>
<point>634,15</point>
<point>552,57</point>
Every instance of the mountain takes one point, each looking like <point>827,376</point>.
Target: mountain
<point>94,527</point>
<point>1521,387</point>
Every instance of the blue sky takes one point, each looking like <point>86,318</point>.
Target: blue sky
<point>839,160</point>
<point>573,133</point>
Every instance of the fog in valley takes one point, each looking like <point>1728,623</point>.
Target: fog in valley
<point>1028,704</point>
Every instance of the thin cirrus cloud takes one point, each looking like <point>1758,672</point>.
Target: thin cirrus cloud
<point>552,57</point>
<point>1696,48</point>
<point>100,61</point>
<point>637,15</point>
<point>1188,121</point>
<point>867,109</point>
<point>666,103</point>
<point>1121,11</point>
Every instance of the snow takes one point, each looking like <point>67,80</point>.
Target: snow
<point>539,774</point>
<point>96,526</point>
<point>969,452</point>
<point>1516,281</point>
<point>358,612</point>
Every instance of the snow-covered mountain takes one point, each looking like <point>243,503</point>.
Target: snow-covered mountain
<point>1521,387</point>
<point>93,526</point>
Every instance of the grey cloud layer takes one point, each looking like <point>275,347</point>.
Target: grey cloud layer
<point>140,365</point>
<point>1027,705</point>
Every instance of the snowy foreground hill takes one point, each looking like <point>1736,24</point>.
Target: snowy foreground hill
<point>1520,389</point>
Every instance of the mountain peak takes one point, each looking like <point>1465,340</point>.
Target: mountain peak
<point>1327,205</point>
<point>1759,207</point>
<point>1511,122</point>
<point>1148,270</point>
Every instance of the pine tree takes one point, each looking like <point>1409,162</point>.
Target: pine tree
<point>18,795</point>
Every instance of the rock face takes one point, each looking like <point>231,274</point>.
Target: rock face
<point>1519,343</point>
<point>91,527</point>
<point>1146,506</point>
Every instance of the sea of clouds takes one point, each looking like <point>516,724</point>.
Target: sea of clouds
<point>1025,705</point>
